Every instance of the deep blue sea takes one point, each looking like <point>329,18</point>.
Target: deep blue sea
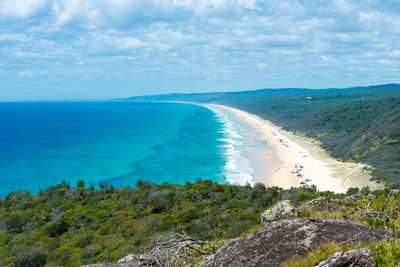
<point>42,144</point>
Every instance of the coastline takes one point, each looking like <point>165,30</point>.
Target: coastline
<point>242,146</point>
<point>302,159</point>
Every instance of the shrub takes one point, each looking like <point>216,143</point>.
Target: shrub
<point>80,183</point>
<point>159,204</point>
<point>14,222</point>
<point>57,228</point>
<point>85,240</point>
<point>352,191</point>
<point>188,215</point>
<point>105,229</point>
<point>365,191</point>
<point>27,257</point>
<point>90,252</point>
<point>167,222</point>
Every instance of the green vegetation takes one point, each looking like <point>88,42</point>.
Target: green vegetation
<point>64,226</point>
<point>386,253</point>
<point>365,131</point>
<point>75,226</point>
<point>360,124</point>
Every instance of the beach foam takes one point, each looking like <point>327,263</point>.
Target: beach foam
<point>242,146</point>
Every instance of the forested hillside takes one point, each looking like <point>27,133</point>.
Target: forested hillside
<point>360,124</point>
<point>366,131</point>
<point>64,226</point>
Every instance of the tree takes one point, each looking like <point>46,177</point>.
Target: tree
<point>27,256</point>
<point>14,222</point>
<point>81,183</point>
<point>365,190</point>
<point>57,228</point>
<point>352,191</point>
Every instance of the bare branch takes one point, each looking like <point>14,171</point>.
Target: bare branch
<point>387,200</point>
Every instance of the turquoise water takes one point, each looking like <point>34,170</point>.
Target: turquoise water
<point>118,143</point>
<point>42,144</point>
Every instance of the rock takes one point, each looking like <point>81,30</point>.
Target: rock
<point>318,199</point>
<point>359,257</point>
<point>286,239</point>
<point>128,258</point>
<point>131,260</point>
<point>110,264</point>
<point>351,199</point>
<point>321,206</point>
<point>128,261</point>
<point>280,211</point>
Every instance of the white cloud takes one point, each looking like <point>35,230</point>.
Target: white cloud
<point>222,43</point>
<point>247,3</point>
<point>199,39</point>
<point>24,73</point>
<point>128,43</point>
<point>343,6</point>
<point>276,40</point>
<point>160,33</point>
<point>262,65</point>
<point>20,8</point>
<point>385,61</point>
<point>381,21</point>
<point>395,53</point>
<point>65,11</point>
<point>326,58</point>
<point>13,37</point>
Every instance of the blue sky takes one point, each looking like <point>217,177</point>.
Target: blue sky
<point>58,49</point>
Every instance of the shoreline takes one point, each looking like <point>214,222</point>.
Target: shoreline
<point>302,160</point>
<point>242,145</point>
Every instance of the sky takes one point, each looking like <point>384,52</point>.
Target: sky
<point>101,49</point>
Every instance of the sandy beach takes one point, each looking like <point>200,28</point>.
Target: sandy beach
<point>302,160</point>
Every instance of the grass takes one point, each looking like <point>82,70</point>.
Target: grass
<point>386,253</point>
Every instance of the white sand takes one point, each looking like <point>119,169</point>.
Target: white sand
<point>294,151</point>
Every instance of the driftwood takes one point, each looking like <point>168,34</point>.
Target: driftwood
<point>173,249</point>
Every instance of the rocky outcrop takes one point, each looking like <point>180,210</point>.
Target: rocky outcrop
<point>362,257</point>
<point>111,264</point>
<point>351,199</point>
<point>172,249</point>
<point>127,261</point>
<point>280,211</point>
<point>286,239</point>
<point>321,206</point>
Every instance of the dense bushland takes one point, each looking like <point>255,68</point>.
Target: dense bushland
<point>75,226</point>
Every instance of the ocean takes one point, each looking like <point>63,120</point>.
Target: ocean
<point>118,143</point>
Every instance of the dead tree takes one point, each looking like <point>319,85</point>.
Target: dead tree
<point>173,249</point>
<point>376,216</point>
